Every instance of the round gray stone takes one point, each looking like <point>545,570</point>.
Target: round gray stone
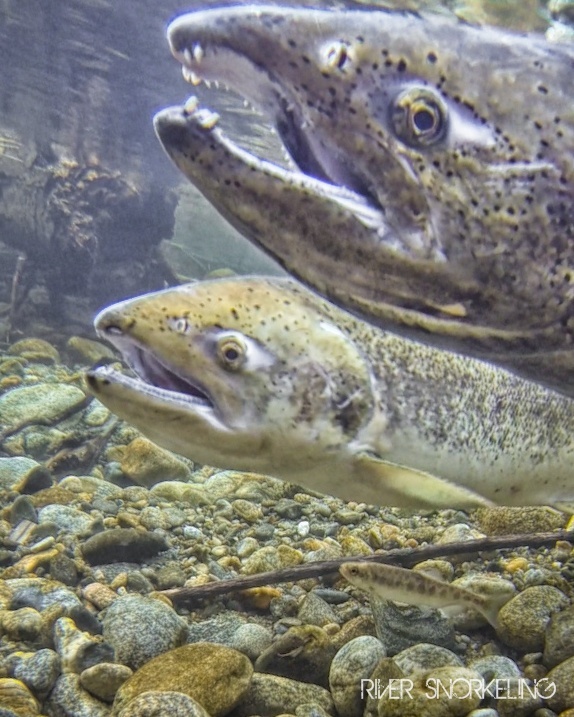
<point>353,663</point>
<point>140,628</point>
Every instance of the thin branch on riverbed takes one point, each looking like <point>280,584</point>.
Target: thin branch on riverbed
<point>405,557</point>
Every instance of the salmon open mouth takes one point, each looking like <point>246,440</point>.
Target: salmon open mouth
<point>152,376</point>
<point>206,62</point>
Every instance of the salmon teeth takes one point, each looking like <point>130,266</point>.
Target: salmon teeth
<point>197,52</point>
<point>191,105</point>
<point>190,76</point>
<point>187,56</point>
<point>206,118</point>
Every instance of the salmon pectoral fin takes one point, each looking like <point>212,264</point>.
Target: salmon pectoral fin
<point>403,487</point>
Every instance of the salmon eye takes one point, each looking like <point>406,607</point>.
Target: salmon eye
<point>231,352</point>
<point>419,117</point>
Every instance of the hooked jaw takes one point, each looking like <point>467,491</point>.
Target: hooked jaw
<point>237,56</point>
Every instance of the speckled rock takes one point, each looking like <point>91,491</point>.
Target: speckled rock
<point>355,627</point>
<point>422,699</point>
<point>248,486</point>
<point>219,629</point>
<point>400,626</point>
<point>43,403</point>
<point>247,510</point>
<point>386,673</point>
<point>272,558</point>
<point>34,349</point>
<point>69,699</point>
<point>188,493</point>
<point>139,628</point>
<point>495,667</point>
<point>100,595</point>
<point>104,679</point>
<point>310,710</point>
<point>122,545</point>
<point>15,696</point>
<point>425,657</point>
<point>303,653</point>
<point>524,619</point>
<point>79,650</point>
<point>87,351</point>
<point>161,704</point>
<point>23,475</point>
<point>517,701</point>
<point>22,509</point>
<point>170,576</point>
<point>313,610</point>
<point>252,640</point>
<point>562,676</point>
<point>37,670</point>
<point>271,695</point>
<point>354,662</point>
<point>41,594</point>
<point>69,519</point>
<point>24,624</point>
<point>145,463</point>
<point>63,569</point>
<point>458,533</point>
<point>507,520</point>
<point>215,676</point>
<point>559,641</point>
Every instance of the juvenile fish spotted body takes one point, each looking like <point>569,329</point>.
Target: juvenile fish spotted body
<point>435,169</point>
<point>394,583</point>
<point>261,375</point>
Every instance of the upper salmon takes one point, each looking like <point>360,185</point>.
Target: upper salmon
<point>435,169</point>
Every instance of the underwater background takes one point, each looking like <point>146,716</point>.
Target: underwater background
<point>96,522</point>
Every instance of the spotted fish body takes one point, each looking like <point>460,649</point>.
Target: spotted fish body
<point>435,169</point>
<point>391,582</point>
<point>261,375</point>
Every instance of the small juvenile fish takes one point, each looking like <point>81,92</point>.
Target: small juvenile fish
<point>401,585</point>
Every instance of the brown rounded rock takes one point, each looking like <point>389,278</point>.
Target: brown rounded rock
<point>147,464</point>
<point>561,681</point>
<point>524,619</point>
<point>214,675</point>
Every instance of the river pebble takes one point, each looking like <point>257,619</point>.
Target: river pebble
<point>304,653</point>
<point>251,639</point>
<point>562,677</point>
<point>400,626</point>
<point>271,695</point>
<point>17,698</point>
<point>122,545</point>
<point>354,663</point>
<point>104,679</point>
<point>559,638</point>
<point>70,699</point>
<point>217,677</point>
<point>424,657</point>
<point>139,628</point>
<point>37,670</point>
<point>524,619</point>
<point>77,649</point>
<point>146,464</point>
<point>158,704</point>
<point>44,403</point>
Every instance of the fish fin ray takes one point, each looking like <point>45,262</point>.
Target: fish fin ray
<point>405,487</point>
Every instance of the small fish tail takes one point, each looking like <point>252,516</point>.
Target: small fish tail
<point>491,607</point>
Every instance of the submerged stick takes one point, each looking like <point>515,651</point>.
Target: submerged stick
<point>16,282</point>
<point>405,557</point>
